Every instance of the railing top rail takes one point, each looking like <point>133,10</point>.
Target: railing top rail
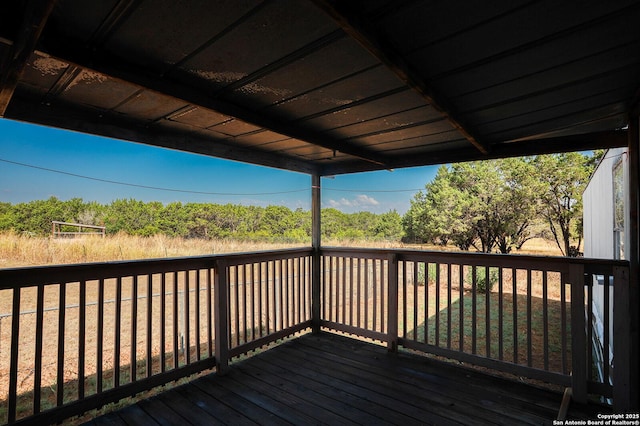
<point>559,263</point>
<point>52,274</point>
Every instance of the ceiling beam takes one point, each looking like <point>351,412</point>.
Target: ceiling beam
<point>13,64</point>
<point>112,125</point>
<point>113,67</point>
<point>585,142</point>
<point>367,36</point>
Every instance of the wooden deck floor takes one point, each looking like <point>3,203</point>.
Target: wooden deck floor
<point>330,379</point>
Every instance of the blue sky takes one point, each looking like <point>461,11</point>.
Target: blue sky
<point>219,181</point>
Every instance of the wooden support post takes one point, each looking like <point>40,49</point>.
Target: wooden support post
<point>621,341</point>
<point>392,300</point>
<point>578,334</point>
<point>315,243</point>
<point>629,352</point>
<point>221,298</point>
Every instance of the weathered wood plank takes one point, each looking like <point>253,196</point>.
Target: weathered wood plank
<point>330,379</point>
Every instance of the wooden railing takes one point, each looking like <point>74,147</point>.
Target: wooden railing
<point>525,315</point>
<point>76,337</point>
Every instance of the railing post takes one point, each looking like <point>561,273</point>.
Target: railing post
<point>392,300</point>
<point>221,316</point>
<point>578,334</point>
<point>621,341</point>
<point>315,256</point>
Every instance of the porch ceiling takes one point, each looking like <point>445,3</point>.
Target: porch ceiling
<point>327,86</point>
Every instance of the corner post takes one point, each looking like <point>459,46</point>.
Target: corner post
<point>621,341</point>
<point>221,300</point>
<point>392,298</point>
<point>315,244</point>
<point>578,334</point>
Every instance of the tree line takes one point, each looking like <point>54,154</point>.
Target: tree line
<point>491,206</point>
<point>498,205</point>
<point>198,220</point>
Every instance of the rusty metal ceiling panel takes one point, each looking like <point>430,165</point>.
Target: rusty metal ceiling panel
<point>439,20</point>
<point>79,19</point>
<point>383,142</point>
<point>199,117</point>
<point>98,90</point>
<point>569,58</point>
<point>186,26</point>
<point>234,128</point>
<point>271,33</point>
<point>263,138</point>
<point>333,62</point>
<point>150,105</point>
<point>387,123</point>
<point>348,114</point>
<point>481,43</point>
<point>357,87</point>
<point>43,72</point>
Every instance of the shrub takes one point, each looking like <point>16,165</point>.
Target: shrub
<point>420,279</point>
<point>481,278</point>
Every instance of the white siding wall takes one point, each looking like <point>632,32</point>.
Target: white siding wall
<point>598,231</point>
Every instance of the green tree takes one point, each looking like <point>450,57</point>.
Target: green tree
<point>388,226</point>
<point>484,204</point>
<point>562,179</point>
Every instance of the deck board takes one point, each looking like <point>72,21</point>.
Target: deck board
<point>331,379</point>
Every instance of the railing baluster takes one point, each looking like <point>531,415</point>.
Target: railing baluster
<point>487,312</point>
<point>62,309</point>
<point>589,324</point>
<point>438,277</point>
<point>405,305</point>
<point>116,335</point>
<point>209,314</point>
<point>274,291</point>
<point>545,319</point>
<point>260,295</point>
<point>187,317</point>
<point>474,309</point>
<point>427,309</point>
<point>359,295</point>
<point>415,301</point>
<point>343,287</point>
<point>176,331</point>
<point>100,336</point>
<point>563,322</point>
<point>461,303</point>
<point>134,327</point>
<point>606,324</point>
<point>529,312</point>
<point>366,293</point>
<point>149,326</point>
<point>252,299</point>
<point>285,285</point>
<point>163,326</point>
<point>375,293</point>
<point>82,315</point>
<point>383,304</point>
<point>197,315</point>
<point>280,295</point>
<point>242,270</point>
<point>514,283</point>
<point>500,314</point>
<point>448,305</point>
<point>37,374</point>
<point>13,363</point>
